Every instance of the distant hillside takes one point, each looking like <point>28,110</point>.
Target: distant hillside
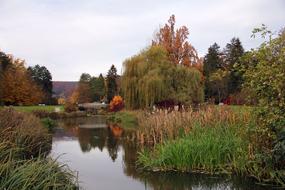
<point>63,88</point>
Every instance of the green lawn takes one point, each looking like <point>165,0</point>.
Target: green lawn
<point>33,108</point>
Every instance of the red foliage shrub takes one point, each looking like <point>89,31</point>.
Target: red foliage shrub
<point>116,104</point>
<point>244,97</point>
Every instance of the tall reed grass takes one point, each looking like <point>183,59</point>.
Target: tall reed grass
<point>206,149</point>
<point>24,165</point>
<point>24,131</point>
<point>161,126</point>
<point>210,140</point>
<point>32,174</point>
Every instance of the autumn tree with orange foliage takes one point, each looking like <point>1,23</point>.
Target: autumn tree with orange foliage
<point>17,86</point>
<point>116,104</point>
<point>180,51</point>
<point>170,70</point>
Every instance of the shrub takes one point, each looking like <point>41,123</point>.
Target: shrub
<point>266,77</point>
<point>49,123</point>
<point>116,104</point>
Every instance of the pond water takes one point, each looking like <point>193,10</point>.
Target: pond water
<point>106,160</point>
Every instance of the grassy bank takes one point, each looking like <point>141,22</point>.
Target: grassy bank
<point>24,145</point>
<point>126,119</point>
<point>208,150</point>
<point>213,140</point>
<point>36,108</point>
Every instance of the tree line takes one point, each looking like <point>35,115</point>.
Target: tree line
<point>161,74</point>
<point>20,85</point>
<point>223,79</point>
<point>96,89</point>
<point>170,72</point>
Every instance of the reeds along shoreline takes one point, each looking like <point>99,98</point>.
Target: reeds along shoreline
<point>211,140</point>
<point>162,126</point>
<point>24,146</point>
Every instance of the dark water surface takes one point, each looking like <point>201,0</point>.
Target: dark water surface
<point>105,160</point>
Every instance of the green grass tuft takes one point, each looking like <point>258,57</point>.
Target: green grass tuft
<point>125,119</point>
<point>207,149</point>
<point>37,173</point>
<point>49,123</point>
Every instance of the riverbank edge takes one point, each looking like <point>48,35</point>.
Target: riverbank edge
<point>251,169</point>
<point>125,118</point>
<point>16,167</point>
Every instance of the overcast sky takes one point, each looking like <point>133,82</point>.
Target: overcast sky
<point>70,37</point>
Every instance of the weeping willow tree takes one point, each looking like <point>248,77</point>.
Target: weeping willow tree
<point>150,77</point>
<point>188,85</point>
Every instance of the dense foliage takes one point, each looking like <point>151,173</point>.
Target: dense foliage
<point>221,69</point>
<point>17,86</point>
<point>111,80</point>
<point>97,88</point>
<point>265,75</point>
<point>93,89</point>
<point>150,77</point>
<point>4,62</point>
<point>43,78</point>
<point>23,86</point>
<point>233,53</point>
<point>84,89</point>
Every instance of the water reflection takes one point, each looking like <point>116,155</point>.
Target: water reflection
<point>105,160</point>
